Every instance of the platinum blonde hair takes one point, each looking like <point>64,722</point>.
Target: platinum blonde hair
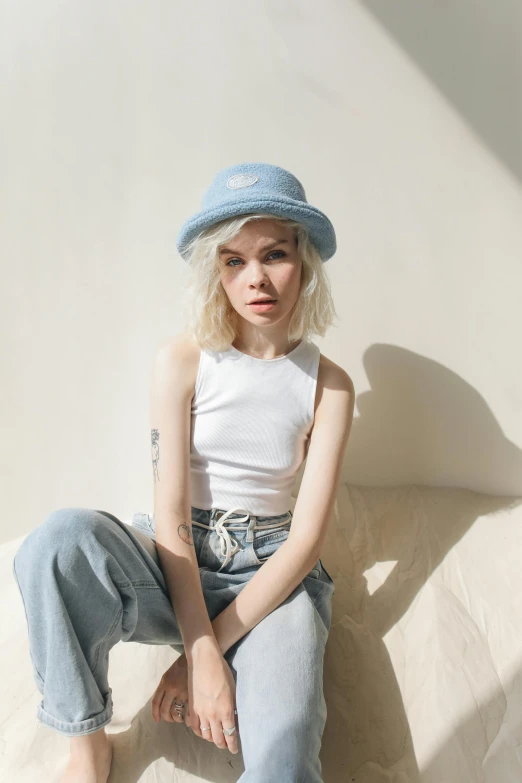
<point>210,318</point>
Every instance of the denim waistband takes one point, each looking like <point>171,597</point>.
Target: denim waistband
<point>220,519</point>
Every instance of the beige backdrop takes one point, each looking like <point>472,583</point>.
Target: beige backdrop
<point>403,121</point>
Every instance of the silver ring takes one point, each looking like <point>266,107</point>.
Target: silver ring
<point>228,732</point>
<point>205,729</point>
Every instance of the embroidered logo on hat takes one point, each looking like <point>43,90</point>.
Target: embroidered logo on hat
<point>241,181</point>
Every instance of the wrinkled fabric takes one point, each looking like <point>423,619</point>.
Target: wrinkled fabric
<point>421,667</point>
<point>89,581</point>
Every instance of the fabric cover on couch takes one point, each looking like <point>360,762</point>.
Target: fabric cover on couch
<point>422,667</point>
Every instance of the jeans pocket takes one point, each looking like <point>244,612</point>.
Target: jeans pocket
<point>320,573</point>
<point>199,536</point>
<point>326,573</point>
<point>266,542</point>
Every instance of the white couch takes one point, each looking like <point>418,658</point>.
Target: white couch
<point>422,679</point>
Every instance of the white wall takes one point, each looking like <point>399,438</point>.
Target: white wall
<point>116,118</point>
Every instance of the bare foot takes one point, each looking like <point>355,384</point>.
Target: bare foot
<point>88,767</point>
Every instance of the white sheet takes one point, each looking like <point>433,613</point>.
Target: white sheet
<point>422,668</point>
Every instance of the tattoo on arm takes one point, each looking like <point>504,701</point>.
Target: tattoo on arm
<point>185,533</point>
<point>154,434</point>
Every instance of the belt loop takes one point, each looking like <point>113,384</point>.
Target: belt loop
<point>250,532</point>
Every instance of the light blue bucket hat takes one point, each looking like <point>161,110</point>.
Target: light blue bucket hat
<point>258,187</point>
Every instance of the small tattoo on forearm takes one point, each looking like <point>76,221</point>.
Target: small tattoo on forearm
<point>154,434</point>
<point>185,533</point>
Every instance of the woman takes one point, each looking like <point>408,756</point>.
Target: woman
<point>223,568</point>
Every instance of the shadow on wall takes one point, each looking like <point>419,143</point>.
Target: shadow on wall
<point>470,50</point>
<point>432,424</point>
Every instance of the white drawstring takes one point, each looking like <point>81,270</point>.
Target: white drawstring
<point>229,547</point>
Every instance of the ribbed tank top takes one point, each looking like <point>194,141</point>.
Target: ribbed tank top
<point>250,428</point>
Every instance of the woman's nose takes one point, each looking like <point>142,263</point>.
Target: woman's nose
<point>258,274</point>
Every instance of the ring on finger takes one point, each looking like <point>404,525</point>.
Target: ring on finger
<point>230,731</point>
<point>179,708</point>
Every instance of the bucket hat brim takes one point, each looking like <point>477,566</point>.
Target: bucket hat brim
<point>320,228</point>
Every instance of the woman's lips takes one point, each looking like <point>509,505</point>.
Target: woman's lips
<point>261,307</point>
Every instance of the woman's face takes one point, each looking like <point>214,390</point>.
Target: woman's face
<point>262,261</point>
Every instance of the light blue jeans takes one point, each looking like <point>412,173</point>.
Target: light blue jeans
<point>88,581</point>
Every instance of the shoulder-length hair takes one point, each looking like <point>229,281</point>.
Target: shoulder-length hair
<point>210,318</point>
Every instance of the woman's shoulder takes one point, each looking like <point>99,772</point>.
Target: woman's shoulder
<point>181,354</point>
<point>332,380</point>
<point>332,375</point>
<point>182,345</point>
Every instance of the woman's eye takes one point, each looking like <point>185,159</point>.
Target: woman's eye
<point>274,252</point>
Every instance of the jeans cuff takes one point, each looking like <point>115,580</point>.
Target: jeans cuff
<point>77,728</point>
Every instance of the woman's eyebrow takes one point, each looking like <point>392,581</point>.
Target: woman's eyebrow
<point>266,247</point>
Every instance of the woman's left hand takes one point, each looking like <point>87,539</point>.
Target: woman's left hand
<point>173,687</point>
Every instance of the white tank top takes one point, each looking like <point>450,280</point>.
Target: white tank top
<point>250,428</point>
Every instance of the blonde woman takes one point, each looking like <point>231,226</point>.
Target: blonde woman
<point>222,568</point>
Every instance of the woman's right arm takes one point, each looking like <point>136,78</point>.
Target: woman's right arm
<point>211,685</point>
<point>174,369</point>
